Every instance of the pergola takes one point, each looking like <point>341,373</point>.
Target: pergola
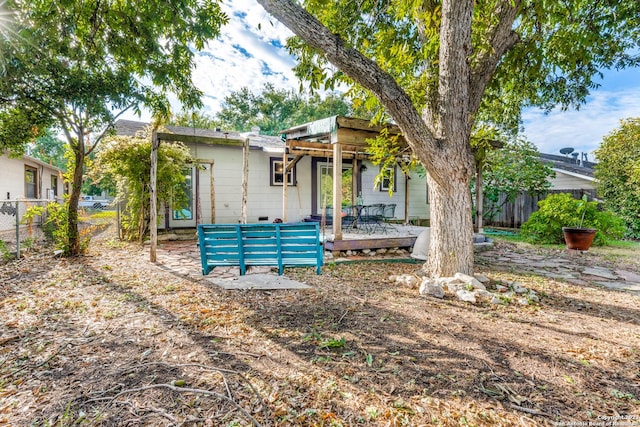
<point>338,138</point>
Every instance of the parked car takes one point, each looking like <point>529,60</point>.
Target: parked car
<point>92,202</point>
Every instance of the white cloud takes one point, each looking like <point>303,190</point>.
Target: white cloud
<point>583,129</point>
<point>250,53</point>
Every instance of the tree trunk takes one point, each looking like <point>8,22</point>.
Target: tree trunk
<point>450,250</point>
<point>74,198</point>
<point>440,138</point>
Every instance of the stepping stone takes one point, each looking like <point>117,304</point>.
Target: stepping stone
<point>605,273</point>
<point>628,276</point>
<point>623,286</point>
<point>259,281</point>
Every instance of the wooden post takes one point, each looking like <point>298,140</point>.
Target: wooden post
<point>337,191</point>
<point>479,199</point>
<point>406,198</point>
<point>198,202</point>
<point>245,180</point>
<point>212,190</point>
<point>284,185</point>
<point>153,202</point>
<point>355,173</point>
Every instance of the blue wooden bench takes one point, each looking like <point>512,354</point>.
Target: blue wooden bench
<point>243,245</point>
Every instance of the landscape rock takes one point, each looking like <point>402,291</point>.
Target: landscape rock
<point>482,278</point>
<point>408,280</point>
<point>533,298</point>
<point>470,280</point>
<point>501,288</point>
<point>484,295</point>
<point>519,289</point>
<point>628,276</point>
<point>430,287</point>
<point>466,296</point>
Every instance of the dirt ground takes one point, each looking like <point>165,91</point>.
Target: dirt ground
<point>112,339</point>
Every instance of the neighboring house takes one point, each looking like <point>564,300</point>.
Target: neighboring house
<point>24,182</point>
<point>574,175</point>
<point>572,172</point>
<point>29,178</point>
<point>215,185</point>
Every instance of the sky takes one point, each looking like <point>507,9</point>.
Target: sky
<point>250,53</point>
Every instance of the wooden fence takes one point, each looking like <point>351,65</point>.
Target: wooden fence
<point>513,215</point>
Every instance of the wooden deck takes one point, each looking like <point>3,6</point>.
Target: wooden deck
<point>376,243</point>
<point>397,236</point>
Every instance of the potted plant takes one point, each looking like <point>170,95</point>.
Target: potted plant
<point>579,238</point>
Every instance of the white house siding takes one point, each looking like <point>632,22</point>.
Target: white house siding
<point>12,178</point>
<point>418,207</point>
<point>564,181</point>
<point>418,198</point>
<point>263,200</point>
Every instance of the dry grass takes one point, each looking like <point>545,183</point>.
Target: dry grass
<point>111,339</point>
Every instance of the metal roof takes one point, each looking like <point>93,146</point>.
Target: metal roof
<point>569,164</point>
<point>205,136</point>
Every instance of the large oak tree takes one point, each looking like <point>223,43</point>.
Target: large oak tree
<point>438,68</point>
<point>78,65</point>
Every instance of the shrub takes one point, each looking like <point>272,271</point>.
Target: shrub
<point>561,210</point>
<point>55,225</point>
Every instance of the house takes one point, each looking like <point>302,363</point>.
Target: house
<point>572,173</point>
<point>25,181</point>
<point>215,185</point>
<point>29,178</point>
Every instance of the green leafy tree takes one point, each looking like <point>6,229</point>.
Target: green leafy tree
<point>618,173</point>
<point>512,170</point>
<point>50,149</point>
<point>196,119</point>
<point>79,65</point>
<point>438,68</point>
<point>126,161</point>
<point>274,110</point>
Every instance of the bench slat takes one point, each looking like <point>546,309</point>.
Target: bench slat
<point>277,245</point>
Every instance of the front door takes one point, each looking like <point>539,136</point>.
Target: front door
<point>324,192</point>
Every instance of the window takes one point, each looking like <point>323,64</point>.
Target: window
<point>54,185</point>
<point>277,172</point>
<point>388,179</point>
<point>186,214</point>
<point>30,182</point>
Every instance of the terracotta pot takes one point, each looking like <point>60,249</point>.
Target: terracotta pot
<point>578,238</point>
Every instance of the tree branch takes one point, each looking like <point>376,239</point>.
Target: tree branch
<point>102,134</point>
<point>502,39</point>
<point>362,70</point>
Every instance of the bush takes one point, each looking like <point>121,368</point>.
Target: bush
<point>561,210</point>
<point>56,225</point>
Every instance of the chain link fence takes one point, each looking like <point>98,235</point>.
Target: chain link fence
<point>14,234</point>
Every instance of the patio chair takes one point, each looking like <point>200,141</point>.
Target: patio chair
<point>388,214</point>
<point>350,218</point>
<point>372,218</point>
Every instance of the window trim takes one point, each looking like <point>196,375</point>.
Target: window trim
<point>33,170</point>
<point>291,175</point>
<point>54,185</point>
<point>383,181</point>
